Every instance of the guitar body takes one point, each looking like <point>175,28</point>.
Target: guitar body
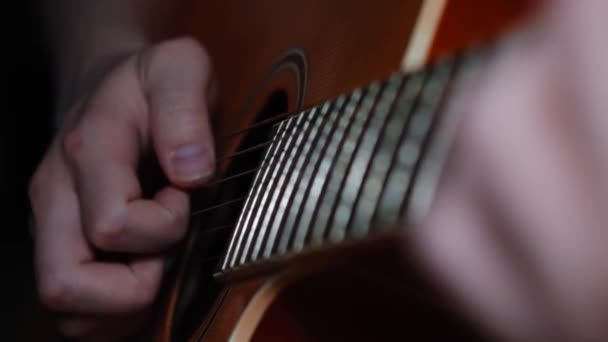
<point>338,45</point>
<point>368,293</point>
<point>272,57</point>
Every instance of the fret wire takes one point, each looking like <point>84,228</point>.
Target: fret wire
<point>405,105</point>
<point>426,127</point>
<point>336,178</point>
<point>285,194</point>
<point>326,196</point>
<point>399,178</point>
<point>286,171</point>
<point>344,173</point>
<point>303,160</point>
<point>244,151</point>
<point>252,149</point>
<point>255,196</point>
<point>238,233</point>
<point>360,213</point>
<point>313,183</point>
<point>267,188</point>
<point>433,161</point>
<point>350,148</point>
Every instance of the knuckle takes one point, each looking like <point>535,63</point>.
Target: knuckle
<point>54,292</point>
<point>105,232</point>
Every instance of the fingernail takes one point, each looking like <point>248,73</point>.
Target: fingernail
<point>191,163</point>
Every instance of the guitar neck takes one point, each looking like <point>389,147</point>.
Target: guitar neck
<point>355,166</point>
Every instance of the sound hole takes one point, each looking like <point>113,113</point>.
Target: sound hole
<point>214,228</point>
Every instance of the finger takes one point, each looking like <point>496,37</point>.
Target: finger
<point>110,288</point>
<point>103,152</point>
<point>543,182</point>
<point>460,244</point>
<point>579,37</point>
<point>56,211</point>
<point>68,278</point>
<point>175,76</point>
<point>97,288</point>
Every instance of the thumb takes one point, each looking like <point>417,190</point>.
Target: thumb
<point>175,78</point>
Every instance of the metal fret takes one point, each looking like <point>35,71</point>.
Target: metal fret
<point>352,167</point>
<point>284,171</point>
<point>434,158</point>
<point>423,125</point>
<point>357,165</point>
<point>400,176</point>
<point>397,125</point>
<point>251,207</point>
<point>238,231</point>
<point>331,186</point>
<point>284,193</point>
<point>303,179</point>
<point>362,209</point>
<point>274,167</point>
<point>329,126</point>
<point>287,202</point>
<point>313,179</point>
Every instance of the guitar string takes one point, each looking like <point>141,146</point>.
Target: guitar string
<point>225,227</point>
<point>222,228</point>
<point>244,152</point>
<point>218,206</point>
<point>231,226</point>
<point>274,121</point>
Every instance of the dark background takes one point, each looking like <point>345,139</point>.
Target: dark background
<point>25,133</point>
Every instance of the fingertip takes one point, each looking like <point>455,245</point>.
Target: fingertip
<point>191,165</point>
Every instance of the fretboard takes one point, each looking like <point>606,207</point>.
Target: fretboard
<point>361,164</point>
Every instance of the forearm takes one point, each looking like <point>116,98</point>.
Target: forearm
<point>87,34</point>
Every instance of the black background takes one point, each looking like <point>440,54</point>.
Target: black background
<point>25,132</point>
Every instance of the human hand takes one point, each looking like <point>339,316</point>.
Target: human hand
<point>517,233</point>
<point>86,197</point>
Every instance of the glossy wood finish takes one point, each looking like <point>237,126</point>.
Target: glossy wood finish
<point>470,22</point>
<point>347,43</point>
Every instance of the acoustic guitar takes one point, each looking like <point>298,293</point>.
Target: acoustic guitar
<point>332,122</point>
